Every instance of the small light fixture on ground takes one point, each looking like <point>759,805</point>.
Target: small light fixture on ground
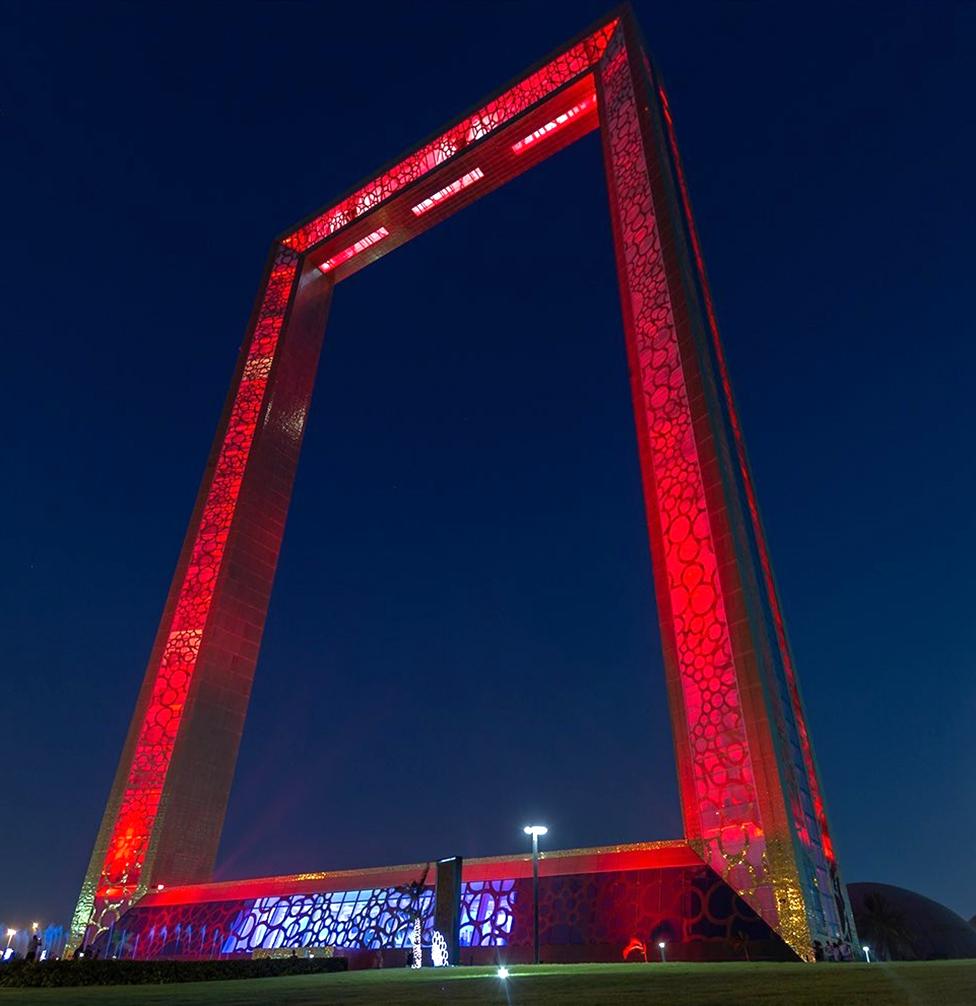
<point>663,947</point>
<point>502,972</point>
<point>867,953</point>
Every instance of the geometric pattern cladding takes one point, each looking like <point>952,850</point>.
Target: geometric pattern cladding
<point>687,907</point>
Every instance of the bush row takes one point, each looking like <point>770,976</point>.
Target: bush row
<point>22,974</point>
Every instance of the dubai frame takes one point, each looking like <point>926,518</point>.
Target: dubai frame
<point>751,798</point>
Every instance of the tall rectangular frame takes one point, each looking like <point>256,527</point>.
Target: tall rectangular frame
<point>750,793</point>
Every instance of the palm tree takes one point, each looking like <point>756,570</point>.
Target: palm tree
<point>885,930</point>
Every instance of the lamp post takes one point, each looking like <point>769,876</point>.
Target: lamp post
<point>867,953</point>
<point>535,830</point>
<point>663,947</point>
<point>11,933</point>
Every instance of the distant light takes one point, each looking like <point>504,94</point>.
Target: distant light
<point>867,953</point>
<point>354,249</point>
<point>8,953</point>
<point>535,829</point>
<point>159,887</point>
<point>34,926</point>
<point>445,193</point>
<point>554,124</point>
<point>11,932</point>
<point>502,973</point>
<point>662,944</point>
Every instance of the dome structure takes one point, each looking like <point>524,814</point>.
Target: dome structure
<point>899,924</point>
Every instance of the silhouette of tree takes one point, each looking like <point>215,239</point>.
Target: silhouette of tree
<point>884,929</point>
<point>739,942</point>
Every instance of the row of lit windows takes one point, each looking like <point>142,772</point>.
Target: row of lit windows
<point>459,184</point>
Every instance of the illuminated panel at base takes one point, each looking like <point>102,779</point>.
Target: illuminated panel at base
<point>366,920</point>
<point>726,810</point>
<point>137,813</point>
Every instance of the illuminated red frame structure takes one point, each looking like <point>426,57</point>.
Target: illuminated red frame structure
<point>750,794</point>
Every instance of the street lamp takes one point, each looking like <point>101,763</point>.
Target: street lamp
<point>535,830</point>
<point>11,933</point>
<point>662,946</point>
<point>867,953</point>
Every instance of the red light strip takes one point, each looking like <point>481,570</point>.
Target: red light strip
<point>543,131</point>
<point>347,253</point>
<point>445,193</point>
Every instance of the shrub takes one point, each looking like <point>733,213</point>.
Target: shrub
<point>52,974</point>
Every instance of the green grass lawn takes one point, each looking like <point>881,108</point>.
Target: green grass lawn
<point>941,983</point>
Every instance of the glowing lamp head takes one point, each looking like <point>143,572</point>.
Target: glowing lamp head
<point>11,932</point>
<point>502,973</point>
<point>662,944</point>
<point>535,829</point>
<point>865,948</point>
<point>34,926</point>
<point>159,887</point>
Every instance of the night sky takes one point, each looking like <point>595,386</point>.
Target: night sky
<point>463,634</point>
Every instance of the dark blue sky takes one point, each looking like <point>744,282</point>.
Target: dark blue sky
<point>463,633</point>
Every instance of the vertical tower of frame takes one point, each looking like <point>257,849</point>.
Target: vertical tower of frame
<point>165,810</point>
<point>750,794</point>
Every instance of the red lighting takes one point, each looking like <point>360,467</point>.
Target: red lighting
<point>750,796</point>
<point>496,113</point>
<point>445,193</point>
<point>347,253</point>
<point>136,818</point>
<point>553,124</point>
